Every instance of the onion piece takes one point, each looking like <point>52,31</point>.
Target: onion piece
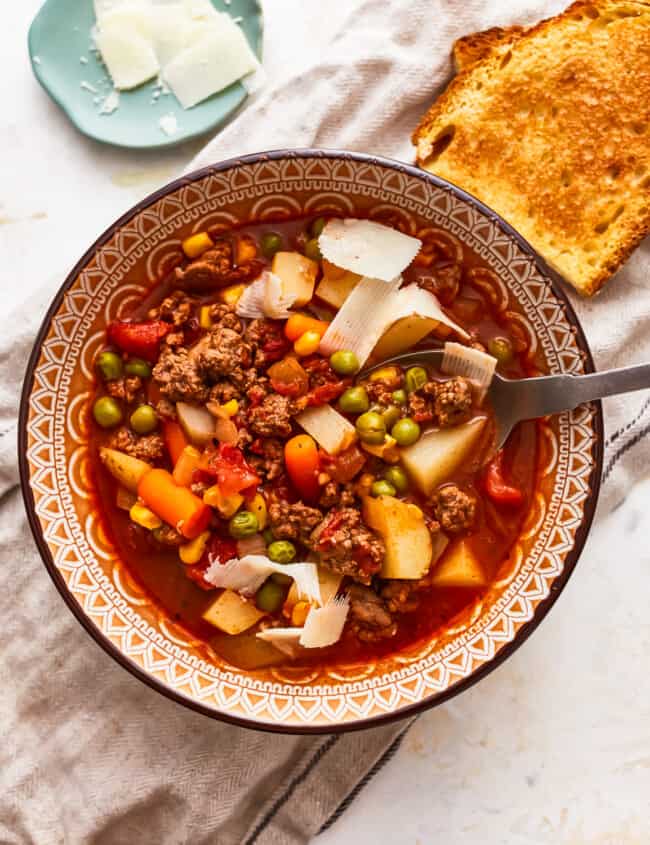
<point>265,298</point>
<point>474,365</point>
<point>362,319</point>
<point>246,575</point>
<point>196,422</point>
<point>368,248</point>
<point>329,429</point>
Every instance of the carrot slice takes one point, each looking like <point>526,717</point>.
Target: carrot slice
<point>302,462</point>
<point>298,324</point>
<point>175,439</point>
<point>176,505</point>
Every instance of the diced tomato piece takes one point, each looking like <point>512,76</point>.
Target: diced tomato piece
<point>228,465</point>
<point>139,339</point>
<point>327,392</point>
<point>497,488</point>
<point>344,466</point>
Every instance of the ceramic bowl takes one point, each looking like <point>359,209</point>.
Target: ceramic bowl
<point>58,486</point>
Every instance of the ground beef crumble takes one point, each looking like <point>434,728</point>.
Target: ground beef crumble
<point>150,447</point>
<point>126,388</point>
<point>178,378</point>
<point>272,418</point>
<point>337,494</point>
<point>222,353</point>
<point>293,521</point>
<point>452,400</point>
<point>347,546</point>
<point>267,458</point>
<point>177,308</point>
<point>454,509</point>
<point>370,619</point>
<point>168,536</point>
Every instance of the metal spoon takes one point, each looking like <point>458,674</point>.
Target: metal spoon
<point>514,400</point>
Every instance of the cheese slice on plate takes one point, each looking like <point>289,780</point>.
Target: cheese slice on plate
<point>194,75</point>
<point>128,55</point>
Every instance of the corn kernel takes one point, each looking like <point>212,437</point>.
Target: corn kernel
<point>258,507</point>
<point>197,244</point>
<point>205,320</point>
<point>388,450</point>
<point>246,249</point>
<point>144,517</point>
<point>226,505</point>
<point>307,344</point>
<point>299,613</point>
<point>231,294</point>
<point>230,408</point>
<point>192,552</point>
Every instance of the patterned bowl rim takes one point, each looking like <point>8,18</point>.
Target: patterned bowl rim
<point>542,607</point>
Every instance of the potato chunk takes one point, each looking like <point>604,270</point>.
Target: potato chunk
<point>459,567</point>
<point>439,453</point>
<point>232,613</point>
<point>125,468</point>
<point>298,275</point>
<point>405,533</point>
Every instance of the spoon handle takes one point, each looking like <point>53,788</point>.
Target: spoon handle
<point>550,394</point>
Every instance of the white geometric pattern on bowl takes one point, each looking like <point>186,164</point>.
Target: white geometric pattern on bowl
<point>54,432</point>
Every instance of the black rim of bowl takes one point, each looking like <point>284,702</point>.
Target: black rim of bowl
<point>373,721</point>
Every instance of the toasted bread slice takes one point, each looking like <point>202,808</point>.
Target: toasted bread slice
<point>479,45</point>
<point>553,133</point>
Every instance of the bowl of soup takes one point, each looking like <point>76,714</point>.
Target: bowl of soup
<point>242,504</point>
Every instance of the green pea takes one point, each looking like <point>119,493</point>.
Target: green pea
<point>382,488</point>
<point>270,596</point>
<point>354,400</point>
<point>317,226</point>
<point>312,250</point>
<point>399,397</point>
<point>397,477</point>
<point>144,420</point>
<point>416,377</point>
<point>405,431</point>
<point>107,412</point>
<point>267,534</point>
<point>391,414</point>
<point>109,365</point>
<point>281,551</point>
<point>137,367</point>
<point>243,524</point>
<point>270,243</point>
<point>501,349</point>
<point>344,363</point>
<point>371,428</point>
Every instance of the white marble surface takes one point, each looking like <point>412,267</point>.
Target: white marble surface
<point>554,746</point>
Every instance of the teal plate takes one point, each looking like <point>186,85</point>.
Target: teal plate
<point>75,78</point>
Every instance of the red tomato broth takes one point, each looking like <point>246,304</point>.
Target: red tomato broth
<point>158,569</point>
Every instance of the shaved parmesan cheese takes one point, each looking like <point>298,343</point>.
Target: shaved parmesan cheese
<point>265,297</point>
<point>414,313</point>
<point>324,625</point>
<point>368,248</point>
<point>172,31</point>
<point>127,54</point>
<point>111,103</point>
<point>246,575</point>
<point>362,320</point>
<point>329,586</point>
<point>194,75</point>
<point>168,124</point>
<point>472,364</point>
<point>329,429</point>
<point>286,640</point>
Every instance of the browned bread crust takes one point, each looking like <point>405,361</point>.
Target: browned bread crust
<point>551,128</point>
<point>478,45</point>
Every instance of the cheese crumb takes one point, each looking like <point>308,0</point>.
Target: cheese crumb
<point>168,124</point>
<point>111,103</point>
